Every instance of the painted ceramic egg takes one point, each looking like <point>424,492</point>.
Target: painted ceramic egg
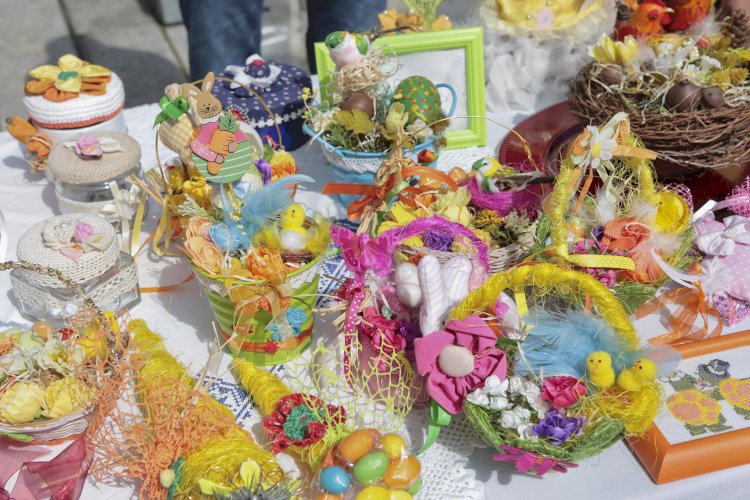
<point>420,98</point>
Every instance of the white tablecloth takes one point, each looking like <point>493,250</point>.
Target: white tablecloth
<point>183,317</point>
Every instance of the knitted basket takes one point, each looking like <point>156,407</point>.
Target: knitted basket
<point>564,286</point>
<point>75,423</point>
<point>108,276</point>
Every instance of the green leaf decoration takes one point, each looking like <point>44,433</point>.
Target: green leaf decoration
<point>25,438</point>
<point>354,120</point>
<point>227,121</point>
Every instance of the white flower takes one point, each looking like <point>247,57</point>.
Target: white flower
<point>511,419</point>
<point>420,130</point>
<point>600,146</point>
<point>498,403</point>
<point>14,363</point>
<point>494,387</point>
<point>525,431</point>
<point>478,398</point>
<point>530,391</point>
<point>516,384</point>
<point>54,355</point>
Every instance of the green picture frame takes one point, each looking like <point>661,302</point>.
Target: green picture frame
<point>468,40</point>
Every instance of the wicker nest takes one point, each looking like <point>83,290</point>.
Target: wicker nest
<point>701,139</point>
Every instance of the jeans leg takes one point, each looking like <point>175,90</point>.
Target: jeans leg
<point>220,32</point>
<point>325,16</point>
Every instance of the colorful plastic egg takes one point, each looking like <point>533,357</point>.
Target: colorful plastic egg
<point>402,473</point>
<point>420,98</point>
<point>399,495</point>
<point>335,479</point>
<point>370,468</point>
<point>356,445</point>
<point>373,493</point>
<point>329,496</point>
<point>415,487</point>
<point>393,445</point>
<point>458,175</point>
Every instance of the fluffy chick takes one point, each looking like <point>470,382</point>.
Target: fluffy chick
<point>599,367</point>
<point>641,373</point>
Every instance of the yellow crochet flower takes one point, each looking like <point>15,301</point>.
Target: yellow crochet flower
<point>402,214</point>
<point>21,403</point>
<point>63,397</point>
<point>69,73</point>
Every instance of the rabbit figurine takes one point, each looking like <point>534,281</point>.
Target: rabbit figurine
<point>209,115</point>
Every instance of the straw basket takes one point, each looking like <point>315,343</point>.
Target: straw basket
<point>74,424</point>
<point>258,344</point>
<point>563,286</point>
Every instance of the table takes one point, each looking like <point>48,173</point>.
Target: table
<point>183,317</point>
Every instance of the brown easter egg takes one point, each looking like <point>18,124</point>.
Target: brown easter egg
<point>611,75</point>
<point>683,96</point>
<point>712,97</point>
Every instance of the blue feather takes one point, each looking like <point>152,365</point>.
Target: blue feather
<point>262,205</point>
<point>559,342</point>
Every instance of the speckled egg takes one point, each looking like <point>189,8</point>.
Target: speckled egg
<point>420,98</point>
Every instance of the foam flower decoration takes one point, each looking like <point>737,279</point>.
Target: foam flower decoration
<point>300,420</point>
<point>607,51</point>
<point>70,77</point>
<point>62,397</point>
<point>21,403</point>
<point>458,360</point>
<point>204,255</point>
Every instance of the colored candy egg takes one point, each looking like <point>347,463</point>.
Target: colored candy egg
<point>393,445</point>
<point>458,175</point>
<point>429,183</point>
<point>356,445</point>
<point>370,468</point>
<point>402,472</point>
<point>335,479</point>
<point>399,495</point>
<point>420,98</point>
<point>373,493</point>
<point>329,496</point>
<point>415,487</point>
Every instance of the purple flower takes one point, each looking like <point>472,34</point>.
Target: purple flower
<point>82,232</point>
<point>87,146</point>
<point>264,168</point>
<point>557,427</point>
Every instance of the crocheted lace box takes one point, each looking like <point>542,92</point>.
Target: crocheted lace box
<point>32,249</point>
<point>82,111</point>
<point>68,167</point>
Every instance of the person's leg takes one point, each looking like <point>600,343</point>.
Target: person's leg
<point>325,16</point>
<point>220,32</point>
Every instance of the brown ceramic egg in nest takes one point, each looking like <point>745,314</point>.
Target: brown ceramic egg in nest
<point>611,74</point>
<point>712,97</point>
<point>683,96</point>
<point>360,101</point>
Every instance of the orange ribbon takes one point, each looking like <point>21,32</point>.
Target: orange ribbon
<point>166,288</point>
<point>374,196</point>
<point>692,303</point>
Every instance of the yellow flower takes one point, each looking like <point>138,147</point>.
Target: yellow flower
<point>607,51</point>
<point>21,403</point>
<point>69,73</point>
<point>282,164</point>
<point>198,227</point>
<point>204,255</point>
<point>63,397</point>
<point>402,215</point>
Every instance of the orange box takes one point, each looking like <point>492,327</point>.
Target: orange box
<point>715,441</point>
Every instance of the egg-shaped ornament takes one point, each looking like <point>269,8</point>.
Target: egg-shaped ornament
<point>420,98</point>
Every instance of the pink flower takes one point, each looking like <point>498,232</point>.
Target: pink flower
<point>458,360</point>
<point>381,333</point>
<point>87,146</point>
<point>545,19</point>
<point>529,461</point>
<point>82,232</point>
<point>562,390</point>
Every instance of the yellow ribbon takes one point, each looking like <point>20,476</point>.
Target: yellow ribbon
<point>602,261</point>
<point>246,298</point>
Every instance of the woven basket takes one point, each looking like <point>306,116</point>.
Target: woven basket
<point>563,285</point>
<point>707,138</point>
<point>72,425</point>
<point>253,346</point>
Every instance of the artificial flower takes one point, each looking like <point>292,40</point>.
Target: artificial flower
<point>624,234</point>
<point>453,205</point>
<point>62,397</point>
<point>471,341</point>
<point>87,147</point>
<point>562,390</point>
<point>557,428</point>
<point>58,356</point>
<point>420,131</point>
<point>402,214</point>
<point>204,255</point>
<point>266,264</point>
<point>21,403</point>
<point>382,333</point>
<point>590,246</point>
<point>282,165</point>
<point>607,51</point>
<point>514,417</point>
<point>198,190</point>
<point>300,420</point>
<point>82,232</point>
<point>198,227</point>
<point>70,77</point>
<point>529,461</point>
<point>596,146</point>
<point>396,118</point>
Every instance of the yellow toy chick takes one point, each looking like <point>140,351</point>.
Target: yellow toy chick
<point>293,235</point>
<point>641,373</point>
<point>599,366</point>
<point>93,342</point>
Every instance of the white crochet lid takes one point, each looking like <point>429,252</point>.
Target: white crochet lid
<point>34,248</point>
<point>67,166</point>
<point>81,111</point>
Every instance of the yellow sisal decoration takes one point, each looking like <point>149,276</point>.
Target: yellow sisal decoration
<point>219,456</point>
